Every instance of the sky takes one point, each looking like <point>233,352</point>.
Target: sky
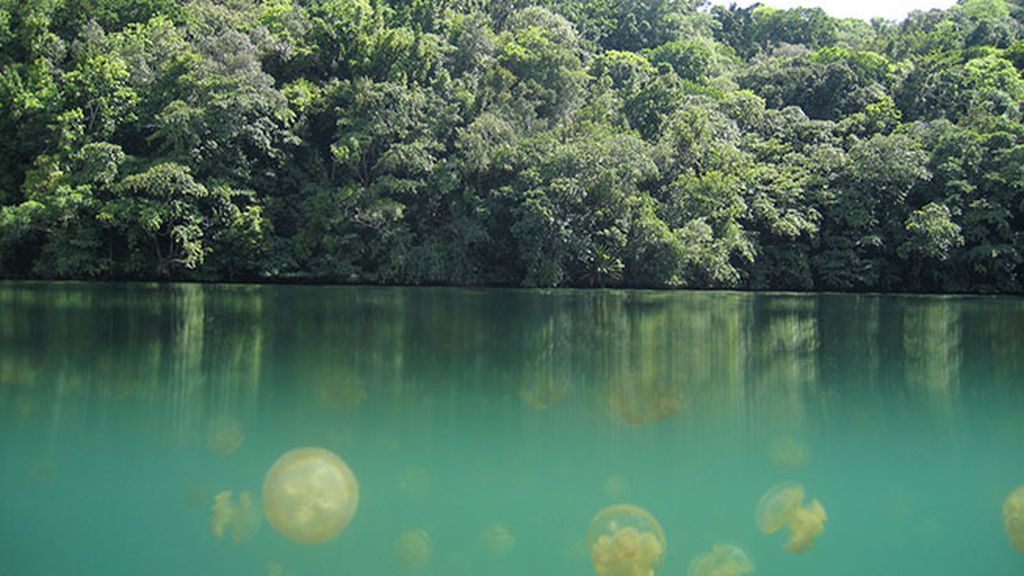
<point>865,9</point>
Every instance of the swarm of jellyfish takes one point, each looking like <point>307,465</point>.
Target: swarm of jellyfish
<point>413,549</point>
<point>722,560</point>
<point>782,506</point>
<point>626,540</point>
<point>310,495</point>
<point>1013,518</point>
<point>241,518</point>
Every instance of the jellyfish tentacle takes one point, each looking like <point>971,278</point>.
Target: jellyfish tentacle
<point>626,540</point>
<point>242,518</point>
<point>782,506</point>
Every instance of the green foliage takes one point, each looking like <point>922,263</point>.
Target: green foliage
<point>644,143</point>
<point>170,223</point>
<point>931,234</point>
<point>541,53</point>
<point>693,60</point>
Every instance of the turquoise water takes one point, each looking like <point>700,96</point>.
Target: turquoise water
<point>463,410</point>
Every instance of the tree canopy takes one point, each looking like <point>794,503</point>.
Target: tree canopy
<point>634,143</point>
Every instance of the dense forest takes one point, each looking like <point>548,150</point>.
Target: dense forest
<point>646,143</point>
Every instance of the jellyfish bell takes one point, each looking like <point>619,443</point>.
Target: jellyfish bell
<point>782,506</point>
<point>225,435</point>
<point>310,495</point>
<point>415,480</point>
<point>242,518</point>
<point>544,394</point>
<point>497,540</point>
<point>413,549</point>
<point>626,540</point>
<point>1013,518</point>
<point>638,405</point>
<point>722,560</point>
<point>788,453</point>
<point>343,395</point>
<point>776,506</point>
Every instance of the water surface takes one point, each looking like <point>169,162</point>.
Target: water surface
<point>471,412</point>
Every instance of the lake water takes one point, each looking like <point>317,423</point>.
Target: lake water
<point>499,422</point>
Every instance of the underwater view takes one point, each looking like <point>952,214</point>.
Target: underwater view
<point>169,429</point>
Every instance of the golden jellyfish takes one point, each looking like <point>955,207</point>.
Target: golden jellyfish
<point>616,487</point>
<point>415,480</point>
<point>1013,518</point>
<point>225,435</point>
<point>413,549</point>
<point>497,540</point>
<point>722,560</point>
<point>310,495</point>
<point>788,453</point>
<point>783,506</point>
<point>626,540</point>
<point>642,405</point>
<point>344,395</point>
<point>242,518</point>
<point>544,394</point>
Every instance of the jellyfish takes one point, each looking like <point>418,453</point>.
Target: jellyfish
<point>415,480</point>
<point>642,404</point>
<point>626,540</point>
<point>275,569</point>
<point>242,518</point>
<point>344,395</point>
<point>783,506</point>
<point>310,495</point>
<point>722,560</point>
<point>1013,518</point>
<point>788,453</point>
<point>413,549</point>
<point>806,523</point>
<point>544,394</point>
<point>225,435</point>
<point>497,540</point>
